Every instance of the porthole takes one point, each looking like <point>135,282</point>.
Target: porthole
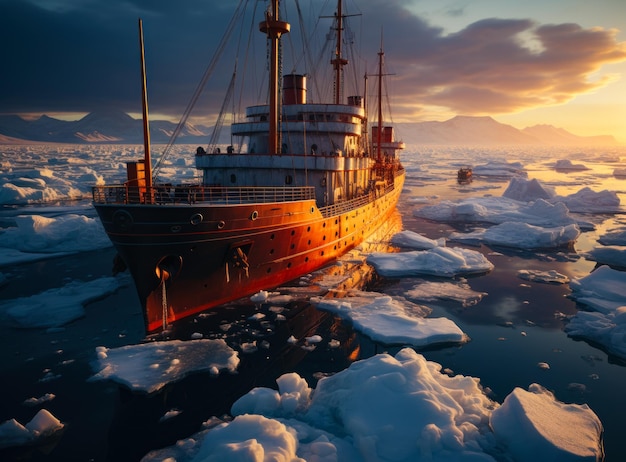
<point>196,219</point>
<point>123,220</point>
<point>312,209</point>
<point>220,224</point>
<point>254,215</point>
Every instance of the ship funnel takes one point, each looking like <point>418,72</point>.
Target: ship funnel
<point>294,89</point>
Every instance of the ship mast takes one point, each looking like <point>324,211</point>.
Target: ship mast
<point>146,126</point>
<point>379,132</point>
<point>274,28</point>
<point>338,62</point>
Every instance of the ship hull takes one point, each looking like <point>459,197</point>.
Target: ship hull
<point>189,257</point>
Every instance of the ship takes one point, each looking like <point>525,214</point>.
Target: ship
<point>309,182</point>
<point>464,175</point>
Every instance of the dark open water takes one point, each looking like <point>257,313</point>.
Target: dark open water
<point>105,422</point>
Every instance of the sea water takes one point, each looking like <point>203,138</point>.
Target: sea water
<point>516,330</point>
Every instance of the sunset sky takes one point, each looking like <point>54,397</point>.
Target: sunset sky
<point>557,62</point>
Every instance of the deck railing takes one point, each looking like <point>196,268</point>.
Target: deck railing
<point>192,194</point>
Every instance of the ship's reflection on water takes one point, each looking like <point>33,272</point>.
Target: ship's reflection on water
<point>284,333</point>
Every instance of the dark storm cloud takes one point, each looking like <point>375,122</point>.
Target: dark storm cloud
<point>83,55</point>
<point>71,55</point>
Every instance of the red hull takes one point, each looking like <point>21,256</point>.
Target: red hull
<point>187,258</point>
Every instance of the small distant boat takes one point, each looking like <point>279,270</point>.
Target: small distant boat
<point>307,182</point>
<point>464,174</point>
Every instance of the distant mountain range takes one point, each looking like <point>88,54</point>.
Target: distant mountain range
<point>467,130</point>
<point>96,127</point>
<point>118,127</point>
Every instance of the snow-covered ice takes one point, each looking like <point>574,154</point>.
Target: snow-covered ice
<point>392,320</point>
<point>37,237</point>
<point>615,236</point>
<point>566,164</point>
<point>438,261</point>
<point>394,408</point>
<point>551,276</point>
<point>604,292</point>
<point>612,255</point>
<point>56,307</point>
<point>497,168</point>
<point>429,291</point>
<point>40,427</point>
<point>524,201</point>
<point>553,430</point>
<point>586,200</point>
<point>149,367</point>
<point>413,240</point>
<point>521,235</point>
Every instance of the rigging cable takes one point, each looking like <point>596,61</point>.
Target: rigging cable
<point>207,73</point>
<point>213,142</point>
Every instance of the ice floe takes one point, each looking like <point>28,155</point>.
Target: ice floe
<point>550,276</point>
<point>496,210</point>
<point>392,320</point>
<point>497,168</point>
<point>568,165</point>
<point>36,237</point>
<point>553,430</point>
<point>413,240</point>
<point>615,236</point>
<point>604,292</point>
<point>393,408</point>
<point>608,255</point>
<point>521,235</point>
<point>40,427</point>
<point>149,367</point>
<point>59,306</point>
<point>438,261</point>
<point>587,200</point>
<point>525,201</point>
<point>429,291</point>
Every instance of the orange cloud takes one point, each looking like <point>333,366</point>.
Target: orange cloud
<point>498,66</point>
